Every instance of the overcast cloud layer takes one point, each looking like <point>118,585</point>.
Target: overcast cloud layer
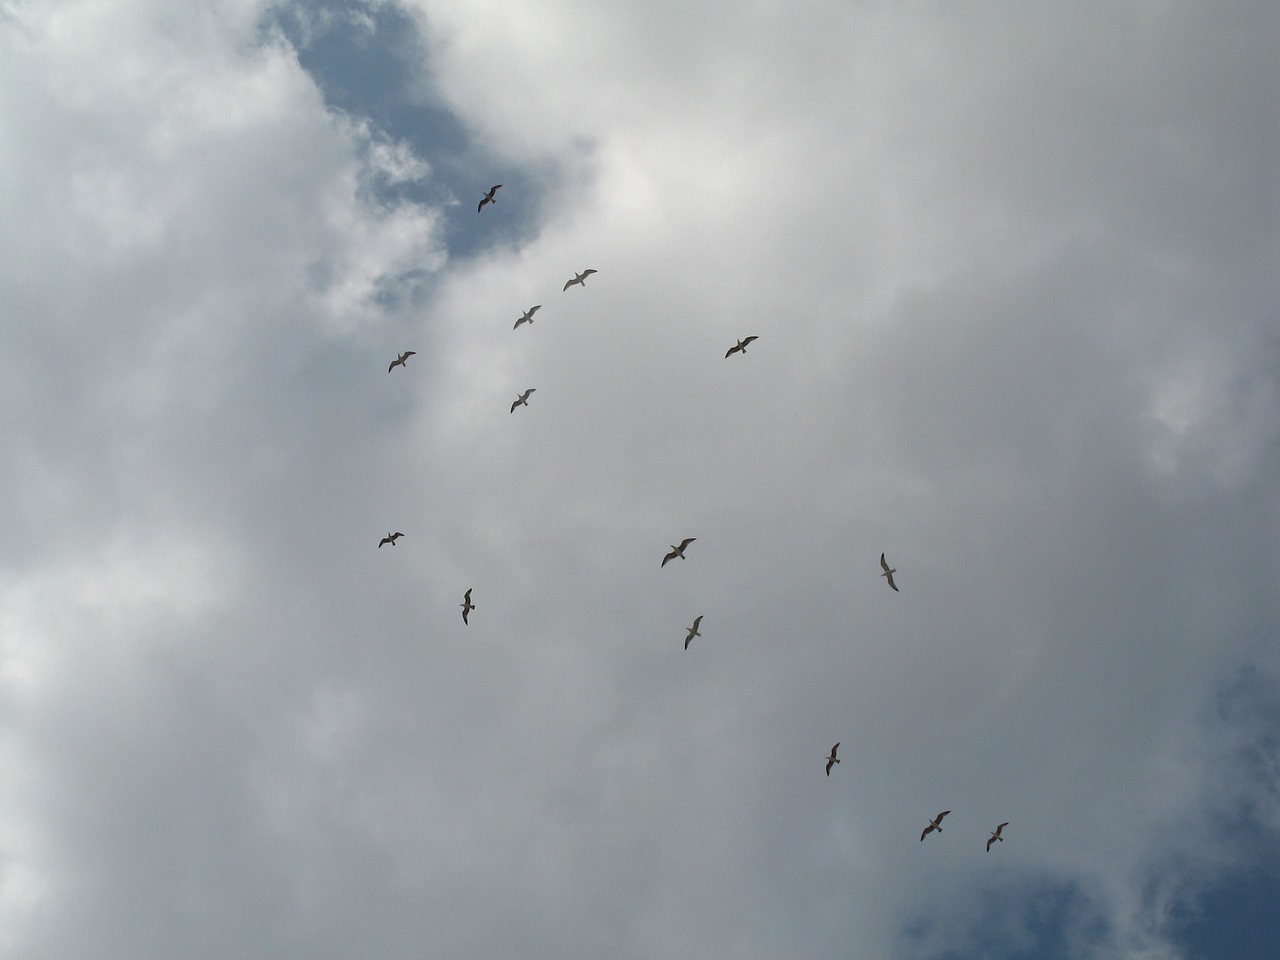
<point>1013,270</point>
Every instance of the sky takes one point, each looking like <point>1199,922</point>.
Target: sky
<point>1013,273</point>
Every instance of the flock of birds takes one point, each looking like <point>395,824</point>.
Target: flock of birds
<point>677,550</point>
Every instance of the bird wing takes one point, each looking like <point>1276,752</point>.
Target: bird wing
<point>834,749</point>
<point>686,541</point>
<point>830,764</point>
<point>926,831</point>
<point>730,352</point>
<point>670,556</point>
<point>570,283</point>
<point>532,310</point>
<point>889,577</point>
<point>587,273</point>
<point>408,354</point>
<point>393,365</point>
<point>382,541</point>
<point>494,189</point>
<point>990,840</point>
<point>515,404</point>
<point>883,566</point>
<point>938,818</point>
<point>697,622</point>
<point>467,596</point>
<point>748,340</point>
<point>465,611</point>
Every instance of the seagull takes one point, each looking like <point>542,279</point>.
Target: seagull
<point>580,279</point>
<point>400,360</point>
<point>693,631</point>
<point>934,824</point>
<point>466,604</point>
<point>888,573</point>
<point>528,316</point>
<point>488,197</point>
<point>390,538</point>
<point>678,551</point>
<point>831,760</point>
<point>522,400</point>
<point>996,836</point>
<point>740,348</point>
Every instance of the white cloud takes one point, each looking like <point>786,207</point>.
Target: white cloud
<point>1007,335</point>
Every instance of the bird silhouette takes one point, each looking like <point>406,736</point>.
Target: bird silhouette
<point>390,538</point>
<point>528,316</point>
<point>678,551</point>
<point>888,573</point>
<point>400,360</point>
<point>467,605</point>
<point>741,347</point>
<point>580,279</point>
<point>693,631</point>
<point>831,760</point>
<point>522,400</point>
<point>489,197</point>
<point>934,824</point>
<point>996,835</point>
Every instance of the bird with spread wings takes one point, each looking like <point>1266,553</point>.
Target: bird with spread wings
<point>580,279</point>
<point>678,551</point>
<point>888,573</point>
<point>996,835</point>
<point>400,360</point>
<point>934,824</point>
<point>522,400</point>
<point>693,631</point>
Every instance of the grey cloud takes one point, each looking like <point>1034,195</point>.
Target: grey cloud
<point>1004,337</point>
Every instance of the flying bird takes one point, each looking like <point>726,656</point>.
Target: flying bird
<point>934,824</point>
<point>996,836</point>
<point>488,197</point>
<point>580,279</point>
<point>740,348</point>
<point>390,538</point>
<point>678,551</point>
<point>832,760</point>
<point>522,400</point>
<point>466,604</point>
<point>888,573</point>
<point>400,360</point>
<point>693,631</point>
<point>528,316</point>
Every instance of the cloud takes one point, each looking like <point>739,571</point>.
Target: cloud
<point>1011,278</point>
